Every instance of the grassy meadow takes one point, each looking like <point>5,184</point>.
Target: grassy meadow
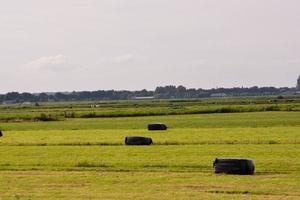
<point>80,157</point>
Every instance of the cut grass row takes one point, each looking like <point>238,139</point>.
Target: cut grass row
<point>182,136</point>
<point>262,119</point>
<point>277,158</point>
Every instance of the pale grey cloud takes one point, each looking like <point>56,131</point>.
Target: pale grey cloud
<point>52,63</point>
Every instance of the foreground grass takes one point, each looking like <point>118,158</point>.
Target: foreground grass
<point>145,185</point>
<point>86,158</point>
<point>281,158</point>
<point>154,172</point>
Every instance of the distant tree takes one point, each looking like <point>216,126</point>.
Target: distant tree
<point>12,96</point>
<point>43,97</point>
<point>163,92</point>
<point>27,97</point>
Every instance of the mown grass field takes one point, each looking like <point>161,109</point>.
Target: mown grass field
<point>85,158</point>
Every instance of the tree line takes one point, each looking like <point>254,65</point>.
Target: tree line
<point>165,92</point>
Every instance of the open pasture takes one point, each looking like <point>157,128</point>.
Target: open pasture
<point>60,111</point>
<point>87,158</point>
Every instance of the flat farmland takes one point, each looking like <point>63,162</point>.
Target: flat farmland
<point>85,158</point>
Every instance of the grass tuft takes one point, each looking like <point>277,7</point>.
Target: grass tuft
<point>89,164</point>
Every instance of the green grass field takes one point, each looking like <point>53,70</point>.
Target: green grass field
<point>60,111</point>
<point>85,158</point>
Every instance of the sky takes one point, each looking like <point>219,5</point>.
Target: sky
<point>76,45</point>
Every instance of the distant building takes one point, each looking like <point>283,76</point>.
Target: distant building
<point>143,98</point>
<point>218,95</point>
<point>298,84</point>
<point>9,102</point>
<point>26,103</point>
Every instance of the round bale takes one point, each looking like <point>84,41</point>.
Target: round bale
<point>138,140</point>
<point>157,126</point>
<point>239,166</point>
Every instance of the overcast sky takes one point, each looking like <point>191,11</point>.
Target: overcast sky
<point>66,45</point>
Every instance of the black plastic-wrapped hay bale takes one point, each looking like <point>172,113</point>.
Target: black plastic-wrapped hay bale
<point>239,166</point>
<point>157,126</point>
<point>138,140</point>
<point>1,134</point>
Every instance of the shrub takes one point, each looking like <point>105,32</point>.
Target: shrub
<point>44,117</point>
<point>89,115</point>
